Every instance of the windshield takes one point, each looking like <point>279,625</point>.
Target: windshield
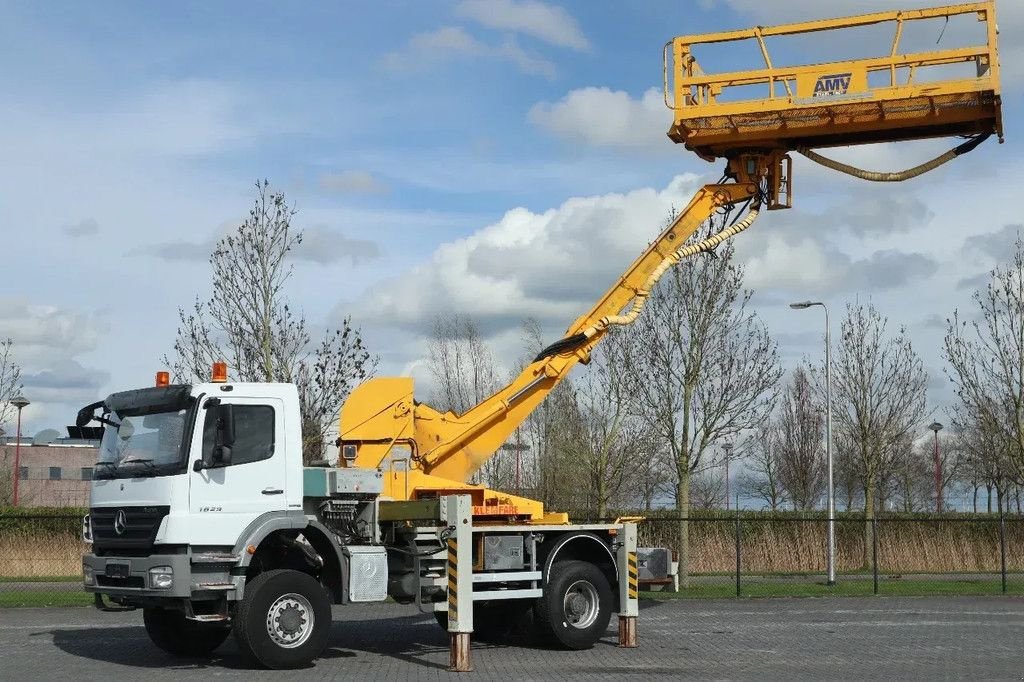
<point>141,444</point>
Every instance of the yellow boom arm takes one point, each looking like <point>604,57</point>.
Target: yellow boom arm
<point>443,450</point>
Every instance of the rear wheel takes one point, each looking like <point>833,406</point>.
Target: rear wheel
<point>284,620</point>
<point>576,607</point>
<point>178,636</point>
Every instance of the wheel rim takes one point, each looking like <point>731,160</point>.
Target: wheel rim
<point>581,604</point>
<point>290,620</point>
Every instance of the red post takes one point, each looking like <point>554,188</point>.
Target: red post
<point>17,459</point>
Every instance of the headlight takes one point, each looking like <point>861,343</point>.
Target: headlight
<point>88,577</point>
<point>161,577</point>
<point>87,528</point>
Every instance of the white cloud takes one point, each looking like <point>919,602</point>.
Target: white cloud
<point>42,333</point>
<point>352,182</point>
<point>537,19</point>
<point>546,265</point>
<point>324,246</point>
<point>602,117</point>
<point>448,42</point>
<point>83,228</point>
<point>552,265</point>
<point>47,339</point>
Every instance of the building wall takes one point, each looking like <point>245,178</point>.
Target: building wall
<point>50,476</point>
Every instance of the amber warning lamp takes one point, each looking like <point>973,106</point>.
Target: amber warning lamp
<point>220,373</point>
<point>163,378</point>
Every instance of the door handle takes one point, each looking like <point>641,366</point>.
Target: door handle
<point>272,491</point>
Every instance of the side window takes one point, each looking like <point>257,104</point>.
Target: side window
<point>254,434</point>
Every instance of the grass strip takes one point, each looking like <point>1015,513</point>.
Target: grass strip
<point>37,599</point>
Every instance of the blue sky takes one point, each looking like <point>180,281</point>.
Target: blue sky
<point>471,157</point>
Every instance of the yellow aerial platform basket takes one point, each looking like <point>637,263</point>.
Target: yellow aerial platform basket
<point>879,99</point>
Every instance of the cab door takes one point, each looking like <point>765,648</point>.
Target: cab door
<point>228,496</point>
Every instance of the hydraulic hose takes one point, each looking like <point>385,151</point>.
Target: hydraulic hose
<point>686,251</point>
<point>898,176</point>
<point>640,298</point>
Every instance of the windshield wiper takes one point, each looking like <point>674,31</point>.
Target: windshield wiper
<point>107,463</point>
<point>142,460</point>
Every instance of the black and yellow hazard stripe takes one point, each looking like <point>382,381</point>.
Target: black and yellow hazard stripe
<point>634,575</point>
<point>453,581</point>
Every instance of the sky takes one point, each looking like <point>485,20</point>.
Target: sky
<point>500,159</point>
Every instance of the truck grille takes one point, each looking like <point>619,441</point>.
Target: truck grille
<point>137,525</point>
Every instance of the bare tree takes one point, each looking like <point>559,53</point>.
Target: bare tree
<point>707,489</point>
<point>879,391</point>
<point>548,467</point>
<point>465,373</point>
<point>910,481</point>
<point>462,365</point>
<point>704,368</point>
<point>986,362</point>
<point>760,479</point>
<point>249,323</point>
<point>801,456</point>
<point>983,453</point>
<point>607,441</point>
<point>849,489</point>
<point>10,382</point>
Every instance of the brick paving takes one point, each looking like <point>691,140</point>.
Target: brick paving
<point>771,639</point>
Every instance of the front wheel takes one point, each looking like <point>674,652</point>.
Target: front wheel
<point>576,607</point>
<point>178,636</point>
<point>284,620</point>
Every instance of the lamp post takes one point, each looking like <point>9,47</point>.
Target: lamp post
<point>728,453</point>
<point>21,403</point>
<point>936,427</point>
<point>831,532</point>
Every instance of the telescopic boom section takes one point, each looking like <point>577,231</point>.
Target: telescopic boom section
<point>428,452</point>
<point>882,98</point>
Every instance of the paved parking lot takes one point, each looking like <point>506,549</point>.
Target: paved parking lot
<point>781,639</point>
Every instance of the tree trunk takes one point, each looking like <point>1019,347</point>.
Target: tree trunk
<point>988,502</point>
<point>869,515</point>
<point>975,499</point>
<point>683,510</point>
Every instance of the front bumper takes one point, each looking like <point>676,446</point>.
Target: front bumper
<point>188,583</point>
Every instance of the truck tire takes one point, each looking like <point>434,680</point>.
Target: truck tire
<point>284,620</point>
<point>576,606</point>
<point>178,636</point>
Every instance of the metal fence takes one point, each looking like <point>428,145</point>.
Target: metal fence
<point>786,556</point>
<point>746,555</point>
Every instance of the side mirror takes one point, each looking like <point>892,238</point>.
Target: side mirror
<point>225,433</point>
<point>86,414</point>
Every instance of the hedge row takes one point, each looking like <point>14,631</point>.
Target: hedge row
<point>32,520</point>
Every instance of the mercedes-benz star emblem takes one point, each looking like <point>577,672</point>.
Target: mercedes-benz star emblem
<point>120,522</point>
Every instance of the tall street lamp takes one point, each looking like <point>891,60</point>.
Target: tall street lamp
<point>831,532</point>
<point>728,453</point>
<point>936,427</point>
<point>21,403</point>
